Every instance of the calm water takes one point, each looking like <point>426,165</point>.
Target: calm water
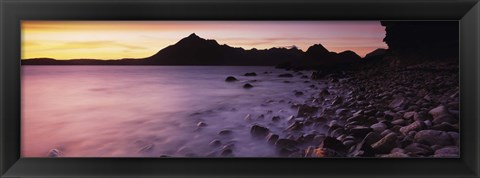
<point>150,111</point>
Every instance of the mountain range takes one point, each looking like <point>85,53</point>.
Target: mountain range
<point>194,50</point>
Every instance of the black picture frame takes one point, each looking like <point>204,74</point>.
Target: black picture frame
<point>467,12</point>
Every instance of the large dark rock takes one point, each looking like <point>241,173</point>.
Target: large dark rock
<point>334,144</point>
<point>433,137</point>
<point>259,131</point>
<point>386,144</point>
<point>231,79</point>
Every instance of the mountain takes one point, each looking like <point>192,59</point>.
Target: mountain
<point>194,50</point>
<point>317,56</point>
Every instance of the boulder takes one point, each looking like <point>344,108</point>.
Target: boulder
<point>272,138</point>
<point>201,124</point>
<point>250,74</point>
<point>386,144</point>
<point>360,131</point>
<point>440,114</point>
<point>215,143</point>
<point>225,132</point>
<point>306,111</point>
<point>247,86</point>
<point>371,138</point>
<point>259,131</point>
<point>297,125</point>
<point>379,127</point>
<point>231,79</point>
<point>433,137</point>
<point>324,92</point>
<point>334,144</point>
<point>415,126</point>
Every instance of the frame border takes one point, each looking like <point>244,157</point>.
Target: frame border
<point>467,12</point>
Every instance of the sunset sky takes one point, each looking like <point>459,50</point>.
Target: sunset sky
<point>139,39</point>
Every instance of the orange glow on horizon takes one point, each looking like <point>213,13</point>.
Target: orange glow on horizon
<point>139,39</point>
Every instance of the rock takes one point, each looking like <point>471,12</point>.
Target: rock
<point>433,137</point>
<point>386,144</point>
<point>418,149</point>
<point>415,126</point>
<point>452,150</point>
<point>298,93</point>
<point>360,131</point>
<point>297,125</point>
<point>275,118</point>
<point>420,116</point>
<point>440,114</point>
<point>201,124</point>
<point>247,86</point>
<point>362,149</point>
<point>371,138</point>
<point>444,126</point>
<point>248,117</point>
<point>285,143</point>
<point>259,131</point>
<point>389,115</point>
<point>250,74</point>
<point>215,143</point>
<point>395,155</point>
<point>455,137</point>
<point>409,115</point>
<point>338,100</point>
<point>231,79</point>
<point>305,111</point>
<point>399,122</point>
<point>324,92</point>
<point>378,127</point>
<point>227,152</point>
<point>272,138</point>
<point>225,132</point>
<point>356,118</point>
<point>334,144</point>
<point>286,75</point>
<point>397,102</point>
<point>55,153</point>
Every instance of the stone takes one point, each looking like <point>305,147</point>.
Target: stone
<point>286,75</point>
<point>248,117</point>
<point>418,149</point>
<point>409,115</point>
<point>441,114</point>
<point>324,92</point>
<point>433,137</point>
<point>371,138</point>
<point>397,102</point>
<point>298,93</point>
<point>360,131</point>
<point>247,86</point>
<point>379,127</point>
<point>259,131</point>
<point>453,150</point>
<point>420,116</point>
<point>285,143</point>
<point>225,132</point>
<point>386,144</point>
<point>297,125</point>
<point>306,111</point>
<point>250,74</point>
<point>334,144</point>
<point>400,122</point>
<point>201,124</point>
<point>455,138</point>
<point>275,118</point>
<point>55,153</point>
<point>231,79</point>
<point>215,143</point>
<point>272,138</point>
<point>444,126</point>
<point>395,155</point>
<point>415,126</point>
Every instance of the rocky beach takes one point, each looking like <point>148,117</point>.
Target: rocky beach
<point>380,112</point>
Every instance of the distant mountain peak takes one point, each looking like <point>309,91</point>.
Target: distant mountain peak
<point>193,35</point>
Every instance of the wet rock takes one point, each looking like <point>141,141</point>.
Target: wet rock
<point>225,132</point>
<point>227,152</point>
<point>338,100</point>
<point>250,74</point>
<point>247,86</point>
<point>433,137</point>
<point>421,116</point>
<point>386,144</point>
<point>356,118</point>
<point>360,131</point>
<point>215,143</point>
<point>397,102</point>
<point>389,115</point>
<point>334,144</point>
<point>297,125</point>
<point>415,126</point>
<point>285,143</point>
<point>55,153</point>
<point>201,124</point>
<point>272,138</point>
<point>286,75</point>
<point>324,92</point>
<point>298,93</point>
<point>259,131</point>
<point>305,111</point>
<point>336,131</point>
<point>231,79</point>
<point>275,118</point>
<point>362,149</point>
<point>400,122</point>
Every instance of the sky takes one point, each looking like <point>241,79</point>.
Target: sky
<point>139,39</point>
